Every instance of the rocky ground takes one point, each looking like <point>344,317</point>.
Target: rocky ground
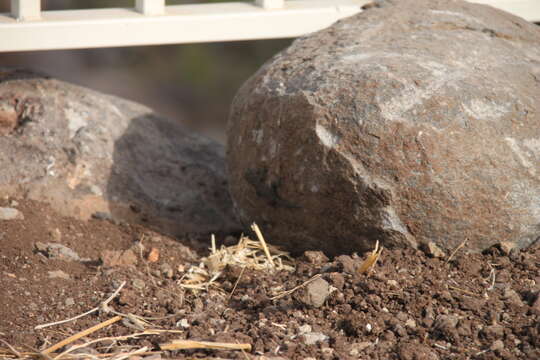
<point>411,305</point>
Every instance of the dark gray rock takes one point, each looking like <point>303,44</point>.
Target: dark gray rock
<point>417,121</point>
<point>88,153</point>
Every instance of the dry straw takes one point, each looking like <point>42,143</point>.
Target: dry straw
<point>371,260</point>
<point>247,254</point>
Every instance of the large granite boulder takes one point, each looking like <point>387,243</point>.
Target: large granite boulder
<point>409,123</point>
<point>87,153</point>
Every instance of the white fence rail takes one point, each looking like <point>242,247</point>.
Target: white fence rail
<point>153,22</point>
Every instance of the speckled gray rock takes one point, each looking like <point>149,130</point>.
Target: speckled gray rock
<point>417,121</point>
<point>88,153</point>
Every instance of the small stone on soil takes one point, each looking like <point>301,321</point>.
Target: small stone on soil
<point>497,345</point>
<point>512,297</point>
<point>357,348</point>
<point>433,250</point>
<point>56,235</point>
<point>304,329</point>
<point>506,247</point>
<point>316,292</point>
<point>347,263</point>
<point>10,214</point>
<point>111,258</point>
<point>314,337</point>
<point>315,257</point>
<point>69,302</point>
<point>57,251</point>
<point>139,284</point>
<point>166,270</point>
<point>101,215</point>
<point>58,274</point>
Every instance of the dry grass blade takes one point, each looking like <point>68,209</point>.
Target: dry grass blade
<point>456,250</point>
<point>258,232</point>
<point>190,344</point>
<point>103,305</point>
<point>288,292</point>
<point>129,354</point>
<point>81,334</point>
<point>11,349</point>
<point>66,354</point>
<point>236,283</point>
<point>463,291</point>
<point>371,260</point>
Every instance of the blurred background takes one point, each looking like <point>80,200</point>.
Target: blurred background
<point>193,83</point>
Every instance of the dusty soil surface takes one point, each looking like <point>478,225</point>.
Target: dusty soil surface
<point>411,305</point>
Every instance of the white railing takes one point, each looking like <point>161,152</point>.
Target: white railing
<point>153,22</point>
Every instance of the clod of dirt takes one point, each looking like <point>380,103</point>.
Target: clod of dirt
<point>112,258</point>
<point>312,338</point>
<point>7,213</point>
<point>356,348</point>
<point>56,235</point>
<point>493,332</point>
<point>445,327</point>
<point>535,307</point>
<point>512,297</point>
<point>347,263</point>
<point>337,280</point>
<point>415,351</point>
<point>167,270</point>
<point>316,292</point>
<point>497,345</point>
<point>139,284</point>
<point>153,255</point>
<point>58,274</point>
<point>315,257</point>
<point>506,247</point>
<point>57,251</point>
<point>433,250</point>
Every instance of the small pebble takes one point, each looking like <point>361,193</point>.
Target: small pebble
<point>369,328</point>
<point>314,337</point>
<point>10,214</point>
<point>56,235</point>
<point>497,345</point>
<point>410,323</point>
<point>167,270</point>
<point>69,302</point>
<point>359,347</point>
<point>183,323</point>
<point>58,274</point>
<point>316,292</point>
<point>434,250</point>
<point>139,284</point>
<point>304,329</point>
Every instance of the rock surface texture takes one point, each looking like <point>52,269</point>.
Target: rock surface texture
<point>411,122</point>
<point>87,153</point>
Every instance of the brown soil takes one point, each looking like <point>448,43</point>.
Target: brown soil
<point>411,306</point>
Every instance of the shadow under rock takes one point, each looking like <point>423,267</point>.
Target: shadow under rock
<point>170,180</point>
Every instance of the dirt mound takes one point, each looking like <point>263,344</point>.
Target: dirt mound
<point>410,306</point>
